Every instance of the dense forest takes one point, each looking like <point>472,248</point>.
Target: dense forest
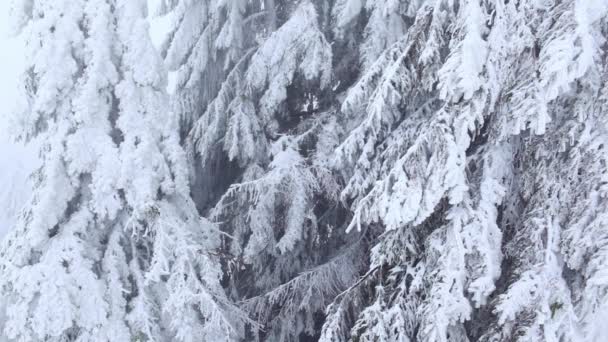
<point>311,170</point>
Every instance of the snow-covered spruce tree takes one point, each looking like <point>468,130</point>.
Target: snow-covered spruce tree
<point>260,147</point>
<point>490,165</point>
<point>453,131</point>
<point>111,247</point>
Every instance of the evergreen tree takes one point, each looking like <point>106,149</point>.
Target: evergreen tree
<point>434,134</point>
<point>110,248</point>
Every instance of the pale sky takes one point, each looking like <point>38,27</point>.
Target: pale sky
<point>16,161</point>
<point>11,56</point>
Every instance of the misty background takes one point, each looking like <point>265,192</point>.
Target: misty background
<point>16,160</point>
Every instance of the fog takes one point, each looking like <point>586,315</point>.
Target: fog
<point>16,160</point>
